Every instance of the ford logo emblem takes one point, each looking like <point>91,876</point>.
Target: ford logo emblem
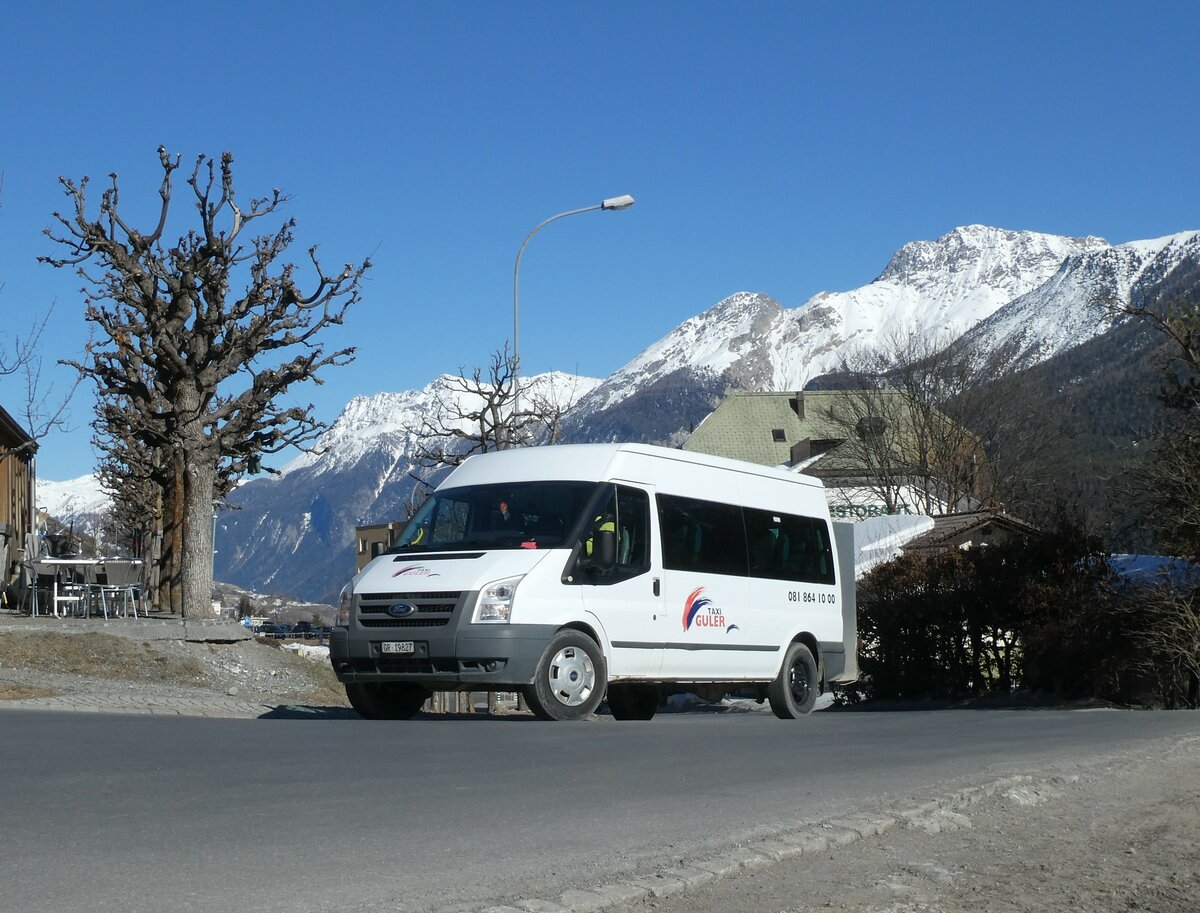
<point>401,609</point>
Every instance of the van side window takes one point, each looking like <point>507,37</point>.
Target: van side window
<point>702,536</point>
<point>633,529</point>
<point>626,513</point>
<point>787,547</point>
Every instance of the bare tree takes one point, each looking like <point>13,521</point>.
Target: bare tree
<point>894,424</point>
<point>200,371</point>
<point>133,475</point>
<point>488,409</point>
<point>1172,482</point>
<point>946,423</point>
<point>870,420</point>
<point>473,413</point>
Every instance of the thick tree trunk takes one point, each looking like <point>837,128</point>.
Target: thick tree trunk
<point>152,562</point>
<point>171,576</point>
<point>199,479</point>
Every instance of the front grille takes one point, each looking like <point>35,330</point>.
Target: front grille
<point>403,622</point>
<point>433,610</point>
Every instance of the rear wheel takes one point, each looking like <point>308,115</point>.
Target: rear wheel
<point>570,677</point>
<point>632,702</point>
<point>386,700</point>
<point>795,691</point>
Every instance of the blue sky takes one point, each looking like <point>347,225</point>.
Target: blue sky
<point>786,148</point>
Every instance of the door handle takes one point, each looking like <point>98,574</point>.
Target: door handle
<point>656,586</point>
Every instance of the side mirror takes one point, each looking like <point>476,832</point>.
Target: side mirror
<point>604,558</point>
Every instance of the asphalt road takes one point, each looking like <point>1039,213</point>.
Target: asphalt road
<point>143,813</point>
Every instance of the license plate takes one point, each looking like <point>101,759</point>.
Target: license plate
<point>397,646</point>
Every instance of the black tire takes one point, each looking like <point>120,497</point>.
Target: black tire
<point>795,691</point>
<point>570,678</point>
<point>632,702</point>
<point>386,700</point>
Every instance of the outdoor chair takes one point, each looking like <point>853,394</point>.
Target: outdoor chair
<point>62,588</point>
<point>27,585</point>
<point>115,582</point>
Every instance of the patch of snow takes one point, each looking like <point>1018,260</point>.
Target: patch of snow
<point>309,651</point>
<point>878,540</point>
<point>1155,569</point>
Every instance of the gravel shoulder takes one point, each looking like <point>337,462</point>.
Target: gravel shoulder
<point>158,663</point>
<point>1113,836</point>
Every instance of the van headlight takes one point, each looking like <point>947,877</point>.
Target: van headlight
<point>494,604</point>
<point>345,601</point>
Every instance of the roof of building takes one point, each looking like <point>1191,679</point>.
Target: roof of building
<point>11,433</point>
<point>742,428</point>
<point>949,527</point>
<point>763,427</point>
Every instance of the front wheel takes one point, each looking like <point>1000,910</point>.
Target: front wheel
<point>386,700</point>
<point>795,691</point>
<point>570,678</point>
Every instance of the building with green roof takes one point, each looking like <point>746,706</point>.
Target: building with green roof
<point>872,450</point>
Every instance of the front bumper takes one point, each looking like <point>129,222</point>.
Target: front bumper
<point>457,656</point>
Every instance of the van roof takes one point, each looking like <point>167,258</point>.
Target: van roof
<point>587,462</point>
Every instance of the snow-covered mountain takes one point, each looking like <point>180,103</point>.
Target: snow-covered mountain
<point>1033,291</point>
<point>1072,306</point>
<point>75,499</point>
<point>945,286</point>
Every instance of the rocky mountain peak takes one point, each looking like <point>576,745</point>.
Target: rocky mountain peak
<point>1000,258</point>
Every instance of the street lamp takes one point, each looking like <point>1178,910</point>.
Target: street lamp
<point>614,203</point>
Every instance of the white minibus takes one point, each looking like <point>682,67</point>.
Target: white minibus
<point>583,572</point>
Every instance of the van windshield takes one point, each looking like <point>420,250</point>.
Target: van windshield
<point>506,515</point>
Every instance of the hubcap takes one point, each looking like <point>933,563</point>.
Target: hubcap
<point>572,676</point>
<point>799,683</point>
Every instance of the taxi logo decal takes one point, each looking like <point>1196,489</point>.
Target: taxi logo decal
<point>699,612</point>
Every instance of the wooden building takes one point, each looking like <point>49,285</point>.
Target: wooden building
<point>17,451</point>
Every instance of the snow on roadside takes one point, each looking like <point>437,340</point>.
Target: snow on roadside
<point>309,651</point>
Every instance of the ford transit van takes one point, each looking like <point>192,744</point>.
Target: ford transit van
<point>622,571</point>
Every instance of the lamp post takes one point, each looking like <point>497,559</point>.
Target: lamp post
<point>613,203</point>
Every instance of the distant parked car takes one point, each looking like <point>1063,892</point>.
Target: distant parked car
<point>282,631</point>
<point>304,629</point>
<point>267,630</point>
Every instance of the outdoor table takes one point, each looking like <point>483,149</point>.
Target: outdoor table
<point>53,567</point>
